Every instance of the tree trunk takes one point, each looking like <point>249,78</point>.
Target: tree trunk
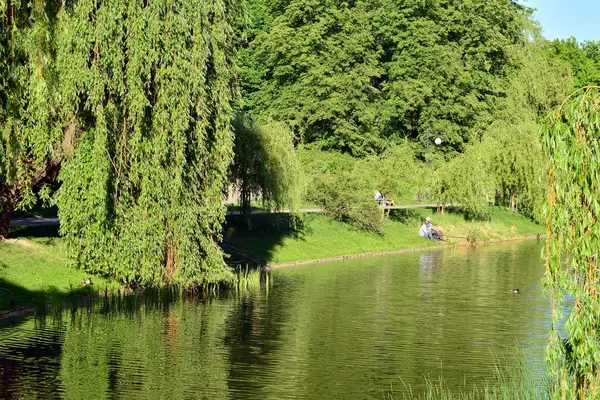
<point>246,205</point>
<point>513,201</point>
<point>8,207</point>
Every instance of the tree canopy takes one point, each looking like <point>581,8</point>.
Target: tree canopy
<point>150,86</point>
<point>31,125</point>
<point>265,165</point>
<point>582,59</point>
<point>135,103</point>
<point>571,142</point>
<point>354,75</point>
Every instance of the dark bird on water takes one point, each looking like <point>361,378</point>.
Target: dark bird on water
<point>515,291</point>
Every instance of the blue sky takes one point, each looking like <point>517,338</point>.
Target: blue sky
<point>566,18</point>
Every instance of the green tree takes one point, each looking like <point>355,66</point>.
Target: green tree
<point>571,142</point>
<point>507,164</point>
<point>343,187</point>
<point>512,140</point>
<point>30,131</point>
<point>396,172</point>
<point>265,165</point>
<point>466,180</point>
<point>353,75</point>
<point>447,65</point>
<point>582,59</point>
<point>153,85</point>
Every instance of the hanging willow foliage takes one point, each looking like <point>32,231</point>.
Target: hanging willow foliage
<point>30,134</point>
<point>571,140</point>
<point>151,84</point>
<point>266,166</point>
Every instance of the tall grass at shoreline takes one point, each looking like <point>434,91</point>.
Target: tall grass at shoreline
<point>512,382</point>
<point>247,279</point>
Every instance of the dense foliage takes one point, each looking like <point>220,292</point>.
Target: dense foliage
<point>135,101</point>
<point>30,128</point>
<point>506,166</point>
<point>151,85</point>
<point>582,59</point>
<point>361,77</point>
<point>353,75</point>
<point>265,166</point>
<point>344,186</point>
<point>571,140</point>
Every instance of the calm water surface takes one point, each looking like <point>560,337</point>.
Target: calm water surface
<point>345,330</point>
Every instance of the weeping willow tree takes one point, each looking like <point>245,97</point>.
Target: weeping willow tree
<point>30,131</point>
<point>265,167</point>
<point>571,141</point>
<point>151,86</point>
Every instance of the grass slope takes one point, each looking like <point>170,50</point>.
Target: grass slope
<point>34,270</point>
<point>324,237</point>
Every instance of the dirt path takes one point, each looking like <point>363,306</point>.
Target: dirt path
<point>49,221</point>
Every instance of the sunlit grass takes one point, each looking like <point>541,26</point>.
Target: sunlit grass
<point>36,270</point>
<point>323,237</point>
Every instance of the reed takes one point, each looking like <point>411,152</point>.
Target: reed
<point>512,382</point>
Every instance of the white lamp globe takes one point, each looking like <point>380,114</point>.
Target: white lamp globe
<point>438,140</point>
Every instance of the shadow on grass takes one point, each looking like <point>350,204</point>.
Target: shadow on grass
<point>14,297</point>
<point>259,240</point>
<point>49,232</point>
<point>407,217</point>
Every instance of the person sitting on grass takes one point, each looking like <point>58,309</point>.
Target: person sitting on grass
<point>427,231</point>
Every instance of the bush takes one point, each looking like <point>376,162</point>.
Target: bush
<point>340,185</point>
<point>344,186</point>
<point>347,198</point>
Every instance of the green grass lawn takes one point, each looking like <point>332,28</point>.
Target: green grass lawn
<point>323,237</point>
<point>35,269</point>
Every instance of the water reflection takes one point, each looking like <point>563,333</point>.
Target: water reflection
<point>340,330</point>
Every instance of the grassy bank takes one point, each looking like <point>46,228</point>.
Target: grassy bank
<point>34,270</point>
<point>273,241</point>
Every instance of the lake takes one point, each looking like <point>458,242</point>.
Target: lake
<point>346,330</point>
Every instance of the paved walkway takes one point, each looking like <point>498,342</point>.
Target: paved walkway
<point>53,221</point>
<point>319,210</point>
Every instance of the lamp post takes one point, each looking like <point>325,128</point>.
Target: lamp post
<point>437,141</point>
<point>427,147</point>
